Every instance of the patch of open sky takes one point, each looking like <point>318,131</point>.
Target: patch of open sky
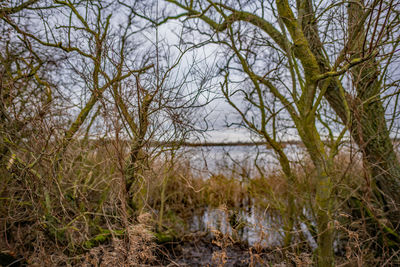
<point>76,90</point>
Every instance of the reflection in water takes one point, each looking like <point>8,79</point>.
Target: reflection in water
<point>252,226</point>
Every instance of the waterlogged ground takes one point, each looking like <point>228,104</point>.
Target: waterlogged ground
<point>221,237</point>
<point>242,237</point>
<point>201,250</point>
<point>249,226</point>
<point>230,238</point>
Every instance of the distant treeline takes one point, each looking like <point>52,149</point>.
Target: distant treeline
<point>215,144</point>
<point>198,144</point>
<point>223,144</point>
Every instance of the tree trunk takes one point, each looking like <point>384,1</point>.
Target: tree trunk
<point>367,121</point>
<point>135,188</point>
<point>369,124</point>
<point>373,138</point>
<point>323,199</point>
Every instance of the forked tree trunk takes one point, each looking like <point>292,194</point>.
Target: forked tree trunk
<point>367,121</point>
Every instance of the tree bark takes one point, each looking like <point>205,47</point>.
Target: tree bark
<point>367,121</point>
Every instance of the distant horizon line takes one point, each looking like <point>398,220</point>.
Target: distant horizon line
<point>215,144</point>
<point>224,144</point>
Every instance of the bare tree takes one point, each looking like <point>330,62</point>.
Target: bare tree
<point>297,35</point>
<point>157,106</point>
<point>66,66</point>
<point>84,64</point>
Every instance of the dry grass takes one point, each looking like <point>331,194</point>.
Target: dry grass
<point>136,249</point>
<point>77,213</point>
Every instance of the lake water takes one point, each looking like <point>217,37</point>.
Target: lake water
<point>212,160</point>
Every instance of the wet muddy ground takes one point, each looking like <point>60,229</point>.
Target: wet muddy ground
<point>201,249</point>
<point>215,241</point>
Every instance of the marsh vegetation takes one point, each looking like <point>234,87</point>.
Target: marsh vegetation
<point>196,133</point>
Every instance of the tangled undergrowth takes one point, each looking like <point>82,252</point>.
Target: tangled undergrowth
<point>77,215</point>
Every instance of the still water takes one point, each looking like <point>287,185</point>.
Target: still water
<point>244,159</point>
<point>251,226</point>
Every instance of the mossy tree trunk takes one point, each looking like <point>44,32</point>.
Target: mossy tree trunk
<point>367,123</point>
<point>370,130</point>
<point>306,127</point>
<point>303,114</point>
<point>135,186</point>
<point>324,202</point>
